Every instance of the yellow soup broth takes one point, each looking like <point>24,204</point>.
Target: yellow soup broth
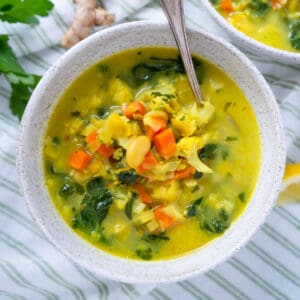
<point>136,168</point>
<point>275,23</point>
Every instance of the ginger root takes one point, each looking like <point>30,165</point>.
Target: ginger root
<point>87,16</point>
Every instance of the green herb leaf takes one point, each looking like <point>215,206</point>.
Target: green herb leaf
<point>24,11</point>
<point>22,84</point>
<point>192,208</point>
<point>294,33</point>
<point>128,177</point>
<point>208,151</point>
<point>155,237</point>
<point>8,60</point>
<point>70,188</point>
<point>145,254</point>
<point>22,87</point>
<point>231,138</point>
<point>259,7</point>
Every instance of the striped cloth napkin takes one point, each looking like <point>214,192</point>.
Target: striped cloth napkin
<point>268,267</point>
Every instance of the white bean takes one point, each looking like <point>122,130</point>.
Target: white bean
<point>136,150</point>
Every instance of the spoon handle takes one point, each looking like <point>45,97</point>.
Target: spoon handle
<point>174,12</point>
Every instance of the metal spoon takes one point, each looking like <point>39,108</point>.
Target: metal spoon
<point>173,10</point>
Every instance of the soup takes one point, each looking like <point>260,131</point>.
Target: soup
<point>273,22</point>
<point>137,168</point>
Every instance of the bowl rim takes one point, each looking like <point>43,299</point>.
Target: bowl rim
<point>250,43</point>
<point>25,131</point>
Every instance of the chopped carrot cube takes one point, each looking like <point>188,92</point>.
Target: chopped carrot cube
<point>185,173</point>
<point>147,164</point>
<point>149,132</point>
<point>143,194</point>
<point>165,143</point>
<point>79,159</point>
<point>157,124</point>
<point>133,109</point>
<point>105,151</point>
<point>92,137</point>
<point>226,5</point>
<point>162,218</point>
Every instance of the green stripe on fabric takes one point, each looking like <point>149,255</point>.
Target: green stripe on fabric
<point>6,158</point>
<point>4,93</point>
<point>59,21</point>
<point>19,279</point>
<point>21,220</point>
<point>127,293</point>
<point>193,290</point>
<point>273,263</point>
<point>43,36</point>
<point>288,84</point>
<point>257,279</point>
<point>32,227</point>
<point>12,122</point>
<point>15,38</point>
<point>134,294</point>
<point>22,45</point>
<point>292,107</point>
<point>11,295</point>
<point>9,186</point>
<point>282,240</point>
<point>101,287</point>
<point>226,285</point>
<point>159,295</point>
<point>281,211</point>
<point>44,266</point>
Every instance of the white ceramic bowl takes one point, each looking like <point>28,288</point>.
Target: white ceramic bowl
<point>90,51</point>
<point>247,43</point>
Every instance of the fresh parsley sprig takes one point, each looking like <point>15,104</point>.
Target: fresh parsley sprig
<point>22,83</point>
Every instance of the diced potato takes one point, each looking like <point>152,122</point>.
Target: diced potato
<point>152,225</point>
<point>138,207</point>
<point>95,166</point>
<point>173,211</point>
<point>119,91</point>
<point>143,217</point>
<point>183,124</point>
<point>74,126</point>
<point>166,193</point>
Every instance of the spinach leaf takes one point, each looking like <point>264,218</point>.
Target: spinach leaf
<point>192,208</point>
<point>216,224</point>
<point>129,205</point>
<point>214,2</point>
<point>146,71</point>
<point>209,218</point>
<point>69,188</point>
<point>294,33</point>
<point>198,175</point>
<point>128,177</point>
<point>259,7</point>
<point>95,186</point>
<point>94,206</point>
<point>144,253</point>
<point>208,151</point>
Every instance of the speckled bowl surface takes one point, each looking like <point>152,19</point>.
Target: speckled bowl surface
<point>249,44</point>
<point>74,62</point>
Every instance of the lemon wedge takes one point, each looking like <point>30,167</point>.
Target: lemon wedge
<point>290,189</point>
